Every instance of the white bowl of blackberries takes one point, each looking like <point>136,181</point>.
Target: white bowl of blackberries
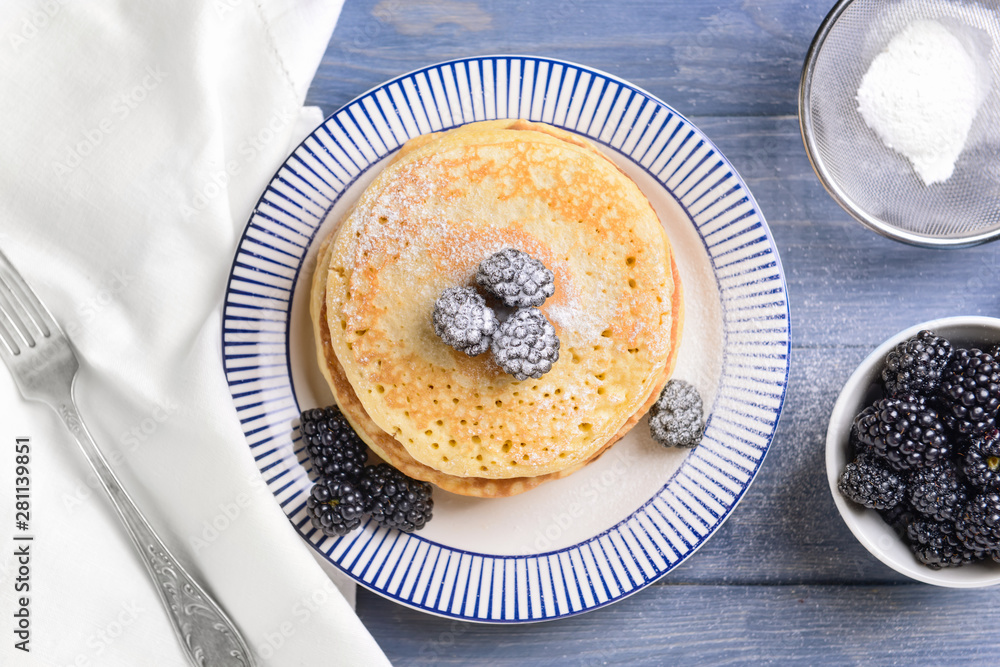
<point>913,452</point>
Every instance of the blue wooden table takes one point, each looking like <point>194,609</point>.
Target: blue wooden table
<point>783,581</point>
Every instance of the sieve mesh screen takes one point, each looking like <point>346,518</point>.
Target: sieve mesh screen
<point>876,180</point>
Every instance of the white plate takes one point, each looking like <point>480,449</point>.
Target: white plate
<point>622,522</point>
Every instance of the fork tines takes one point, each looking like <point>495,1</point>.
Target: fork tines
<point>23,318</point>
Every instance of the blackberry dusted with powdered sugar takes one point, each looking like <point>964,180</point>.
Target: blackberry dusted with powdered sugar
<point>526,345</point>
<point>516,278</point>
<point>463,320</point>
<point>676,420</point>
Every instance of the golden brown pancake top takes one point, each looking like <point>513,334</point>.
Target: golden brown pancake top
<point>425,224</point>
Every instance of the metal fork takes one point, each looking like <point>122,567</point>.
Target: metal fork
<point>44,366</point>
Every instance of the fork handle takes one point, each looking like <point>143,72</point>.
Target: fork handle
<point>207,635</point>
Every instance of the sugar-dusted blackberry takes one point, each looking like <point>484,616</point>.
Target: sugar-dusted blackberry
<point>516,278</point>
<point>676,419</point>
<point>981,463</point>
<point>904,431</point>
<point>335,506</point>
<point>938,492</point>
<point>970,386</point>
<point>463,320</point>
<point>334,447</point>
<point>915,365</point>
<point>936,544</point>
<point>395,500</point>
<point>526,345</point>
<point>869,481</point>
<point>979,523</point>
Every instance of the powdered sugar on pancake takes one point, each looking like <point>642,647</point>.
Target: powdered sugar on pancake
<point>425,224</point>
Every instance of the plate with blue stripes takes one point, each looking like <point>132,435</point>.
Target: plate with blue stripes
<point>625,520</point>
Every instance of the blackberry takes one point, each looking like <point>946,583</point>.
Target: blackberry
<point>916,365</point>
<point>856,447</point>
<point>870,482</point>
<point>937,545</point>
<point>526,345</point>
<point>463,320</point>
<point>981,463</point>
<point>971,388</point>
<point>938,492</point>
<point>979,524</point>
<point>394,500</point>
<point>675,420</point>
<point>899,517</point>
<point>904,431</point>
<point>335,506</point>
<point>516,278</point>
<point>334,447</point>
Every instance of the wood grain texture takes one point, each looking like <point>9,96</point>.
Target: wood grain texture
<point>721,57</point>
<point>847,286</point>
<point>783,581</point>
<point>716,625</point>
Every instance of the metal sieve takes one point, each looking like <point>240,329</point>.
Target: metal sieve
<point>874,183</point>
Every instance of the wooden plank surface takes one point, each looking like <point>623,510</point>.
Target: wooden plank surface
<point>720,57</point>
<point>715,625</point>
<point>783,581</point>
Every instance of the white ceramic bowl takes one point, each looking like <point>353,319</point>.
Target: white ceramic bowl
<point>860,390</point>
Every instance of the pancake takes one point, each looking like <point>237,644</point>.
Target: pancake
<point>389,450</point>
<point>445,203</point>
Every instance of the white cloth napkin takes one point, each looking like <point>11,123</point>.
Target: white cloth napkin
<point>136,138</point>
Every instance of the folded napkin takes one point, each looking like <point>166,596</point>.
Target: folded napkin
<point>136,138</point>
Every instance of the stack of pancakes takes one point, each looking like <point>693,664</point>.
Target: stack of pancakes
<point>446,202</point>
